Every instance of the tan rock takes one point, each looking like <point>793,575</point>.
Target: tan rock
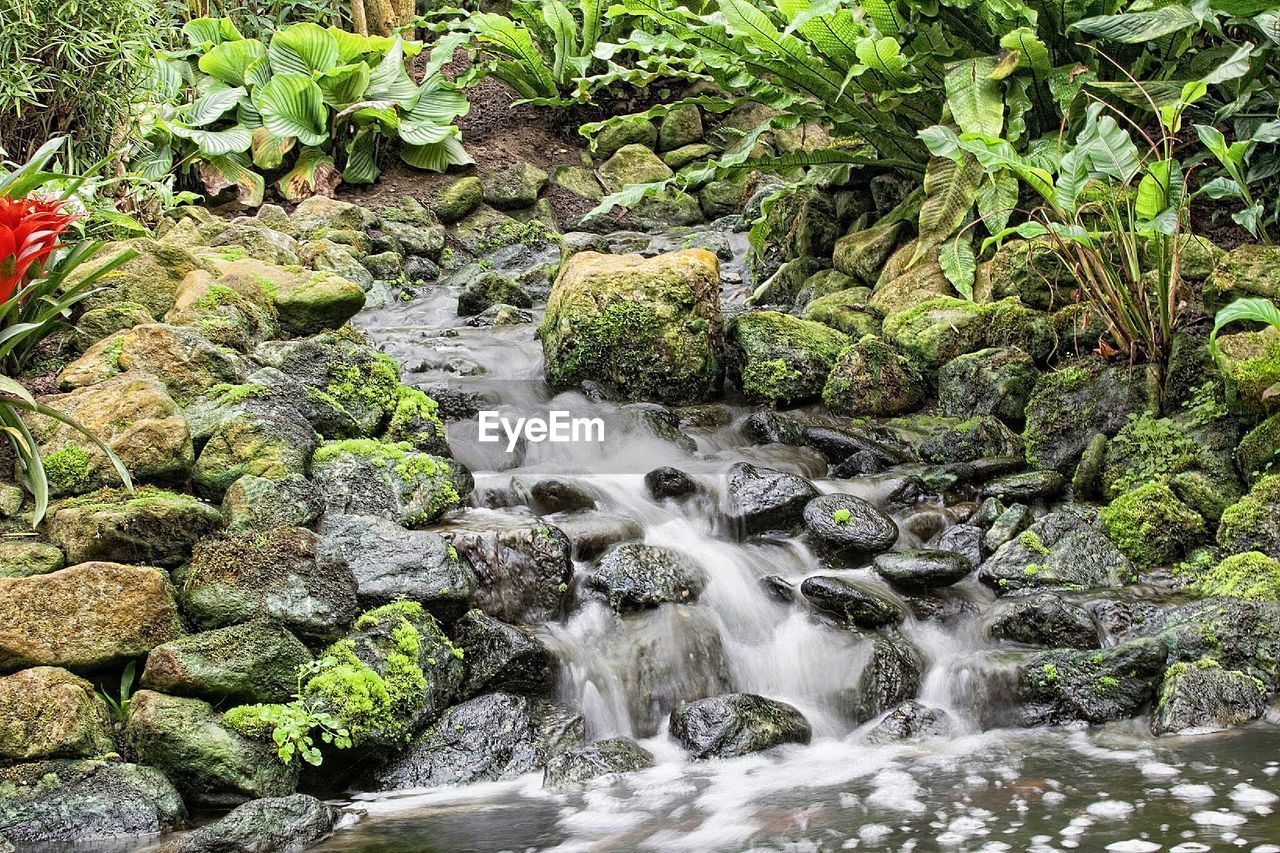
<point>46,712</point>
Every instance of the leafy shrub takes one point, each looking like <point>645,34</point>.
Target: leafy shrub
<point>236,107</point>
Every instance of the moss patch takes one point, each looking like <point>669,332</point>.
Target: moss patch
<point>1151,526</point>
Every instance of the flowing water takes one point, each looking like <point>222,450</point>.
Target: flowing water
<point>1112,788</point>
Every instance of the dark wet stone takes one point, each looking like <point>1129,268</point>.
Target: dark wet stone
<point>778,588</point>
<point>891,676</point>
<point>1064,686</point>
<point>857,603</point>
<point>981,437</point>
<point>65,802</point>
<point>554,495</point>
<point>849,522</point>
<point>573,769</point>
<point>262,826</point>
<point>635,576</point>
<point>981,470</point>
<point>1202,697</point>
<point>962,539</point>
<point>1042,619</point>
<point>737,724</point>
<point>764,499</point>
<point>522,571</point>
<point>1028,486</point>
<point>1238,634</point>
<point>669,482</point>
<point>859,464</point>
<point>911,721</point>
<point>591,533</point>
<point>502,657</point>
<point>772,428</point>
<point>492,737</point>
<point>996,381</point>
<point>840,444</point>
<point>986,513</point>
<point>1066,548</point>
<point>922,569</point>
<point>1008,524</point>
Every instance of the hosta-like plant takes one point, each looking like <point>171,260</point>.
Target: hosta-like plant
<point>316,106</point>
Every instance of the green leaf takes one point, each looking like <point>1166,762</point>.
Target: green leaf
<point>214,143</point>
<point>221,173</point>
<point>958,263</point>
<point>973,97</point>
<point>362,161</point>
<point>996,199</point>
<point>1232,68</point>
<point>1153,190</point>
<point>345,84</point>
<point>303,49</point>
<point>949,189</point>
<point>210,107</point>
<point>1139,27</point>
<point>1032,52</point>
<point>390,82</point>
<point>436,156</point>
<point>205,33</point>
<point>1257,310</point>
<point>230,61</point>
<point>564,29</point>
<point>293,105</point>
<point>313,174</point>
<point>269,151</point>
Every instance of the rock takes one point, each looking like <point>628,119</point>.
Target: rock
<point>846,311</point>
<point>890,677</point>
<point>489,289</point>
<point>635,576</point>
<point>911,721</point>
<point>1257,453</point>
<point>857,603</point>
<point>1030,270</point>
<point>784,286</point>
<point>233,310</point>
<point>522,570</point>
<point>580,181</point>
<point>839,445</point>
<point>944,328</point>
<point>98,323</point>
<point>280,574</point>
<point>1072,405</point>
<point>86,617</point>
<point>262,826</point>
<point>1202,697</point>
<point>151,526</point>
<point>1151,526</point>
<point>258,504</point>
<point>962,539</point>
<point>515,186</point>
<point>632,164</point>
<point>343,261</point>
<point>1066,548</point>
<point>718,198</point>
<point>994,381</point>
<point>1239,634</point>
<point>1253,522</point>
<point>501,314</point>
<point>1247,270</point>
<point>800,223</point>
<point>829,282</point>
<point>779,359</point>
<point>503,658</point>
<point>1062,686</point>
<point>385,266</point>
<point>492,737</point>
<point>899,289</point>
<point>184,362</point>
<point>764,499</point>
<point>862,254</point>
<point>556,495</point>
<point>1028,486</point>
<point>458,199</point>
<point>209,763</point>
<point>1250,365</point>
<point>872,378</point>
<point>848,522</point>
<point>249,239</point>
<point>667,482</point>
<point>1008,524</point>
<point>629,130</point>
<point>1042,619</point>
<point>317,215</point>
<point>306,302</point>
<point>980,437</point>
<point>681,126</point>
<point>1251,575</point>
<point>70,802</point>
<point>772,428</point>
<point>395,481</point>
<point>922,568</point>
<point>46,712</point>
<point>650,329</point>
<point>273,442</point>
<point>150,279</point>
<point>737,724</point>
<point>574,768</point>
<point>257,661</point>
<point>23,559</point>
<point>677,158</point>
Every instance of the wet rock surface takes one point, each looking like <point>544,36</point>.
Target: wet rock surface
<point>738,724</point>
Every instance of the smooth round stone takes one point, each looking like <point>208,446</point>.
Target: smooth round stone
<point>1027,486</point>
<point>856,603</point>
<point>667,482</point>
<point>846,521</point>
<point>922,568</point>
<point>778,589</point>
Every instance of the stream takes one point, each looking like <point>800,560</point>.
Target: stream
<point>990,789</point>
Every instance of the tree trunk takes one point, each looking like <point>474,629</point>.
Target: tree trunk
<point>358,20</point>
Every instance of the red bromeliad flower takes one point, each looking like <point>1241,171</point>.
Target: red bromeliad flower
<point>29,232</point>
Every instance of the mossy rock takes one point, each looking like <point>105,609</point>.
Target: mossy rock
<point>1068,548</point>
<point>306,302</point>
<point>489,289</point>
<point>1146,449</point>
<point>248,238</point>
<point>1202,697</point>
<point>625,131</point>
<point>683,155</point>
<point>650,329</point>
<point>260,440</point>
<point>873,378</point>
<point>46,712</point>
<point>632,164</point>
<point>779,359</point>
<point>98,323</point>
<point>1253,522</point>
<point>682,126</point>
<point>150,279</point>
<point>979,437</point>
<point>515,186</point>
<point>1250,365</point>
<point>258,504</point>
<point>993,381</point>
<point>257,661</point>
<point>1152,526</point>
<point>1259,451</point>
<point>862,254</point>
<point>724,197</point>
<point>847,311</point>
<point>337,258</point>
<point>827,282</point>
<point>317,215</point>
<point>179,356</point>
<point>230,311</point>
<point>905,289</point>
<point>1029,270</point>
<point>152,526</point>
<point>943,328</point>
<point>799,223</point>
<point>1247,270</point>
<point>1250,575</point>
<point>24,558</point>
<point>392,480</point>
<point>458,199</point>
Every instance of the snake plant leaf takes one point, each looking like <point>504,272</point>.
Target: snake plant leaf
<point>304,49</point>
<point>230,61</point>
<point>293,105</point>
<point>222,173</point>
<point>215,143</point>
<point>345,84</point>
<point>212,106</point>
<point>314,174</point>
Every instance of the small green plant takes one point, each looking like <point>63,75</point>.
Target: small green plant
<point>841,516</point>
<point>1205,406</point>
<point>1256,310</point>
<point>291,726</point>
<point>118,705</point>
<point>1050,674</point>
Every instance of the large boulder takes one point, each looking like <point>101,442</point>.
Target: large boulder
<point>85,617</point>
<point>979,437</point>
<point>862,254</point>
<point>847,522</point>
<point>233,310</point>
<point>305,301</point>
<point>69,802</point>
<point>1202,697</point>
<point>150,526</point>
<point>317,216</point>
<point>1028,269</point>
<point>1250,365</point>
<point>391,480</point>
<point>632,164</point>
<point>134,416</point>
<point>391,563</point>
<point>279,574</point>
<point>891,676</point>
<point>873,378</point>
<point>994,381</point>
<point>46,712</point>
<point>1253,522</point>
<point>846,311</point>
<point>492,737</point>
<point>633,576</point>
<point>294,822</point>
<point>1067,548</point>
<point>151,279</point>
<point>1239,634</point>
<point>262,441</point>
<point>257,661</point>
<point>515,186</point>
<point>942,329</point>
<point>523,568</point>
<point>764,499</point>
<point>1042,619</point>
<point>1065,686</point>
<point>258,504</point>
<point>859,604</point>
<point>1151,526</point>
<point>779,359</point>
<point>183,360</point>
<point>502,657</point>
<point>252,238</point>
<point>208,762</point>
<point>737,724</point>
<point>649,329</point>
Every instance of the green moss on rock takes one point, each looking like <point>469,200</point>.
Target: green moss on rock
<point>873,378</point>
<point>1252,576</point>
<point>779,359</point>
<point>1151,526</point>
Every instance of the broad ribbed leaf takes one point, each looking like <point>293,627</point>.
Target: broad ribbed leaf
<point>592,12</point>
<point>292,105</point>
<point>885,15</point>
<point>353,46</point>
<point>204,33</point>
<point>362,161</point>
<point>314,174</point>
<point>209,108</point>
<point>1139,27</point>
<point>1107,148</point>
<point>958,263</point>
<point>230,61</point>
<point>974,98</point>
<point>949,188</point>
<point>1256,310</point>
<point>439,102</point>
<point>344,85</point>
<point>258,73</point>
<point>996,199</point>
<point>564,31</point>
<point>269,151</point>
<point>214,143</point>
<point>303,49</point>
<point>884,56</point>
<point>437,156</point>
<point>1032,52</point>
<point>390,82</point>
<point>221,173</point>
<point>153,161</point>
<point>1153,190</point>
